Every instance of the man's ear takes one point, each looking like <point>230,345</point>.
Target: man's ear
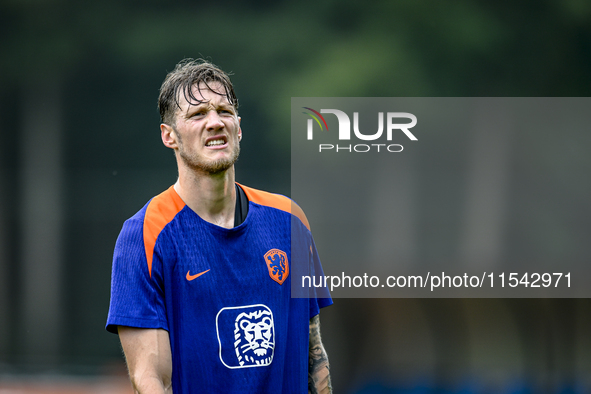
<point>169,137</point>
<point>239,129</point>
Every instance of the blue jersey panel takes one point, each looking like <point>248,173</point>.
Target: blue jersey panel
<point>136,299</point>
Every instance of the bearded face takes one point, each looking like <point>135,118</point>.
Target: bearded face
<point>200,162</point>
<point>208,132</point>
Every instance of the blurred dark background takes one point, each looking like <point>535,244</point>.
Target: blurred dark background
<point>81,153</point>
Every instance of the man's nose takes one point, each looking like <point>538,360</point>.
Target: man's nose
<point>214,121</point>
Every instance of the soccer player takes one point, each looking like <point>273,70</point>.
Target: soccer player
<point>201,284</point>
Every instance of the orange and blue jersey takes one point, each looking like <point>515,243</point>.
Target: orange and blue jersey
<point>224,295</point>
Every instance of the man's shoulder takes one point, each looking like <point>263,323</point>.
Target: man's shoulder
<point>143,228</point>
<point>162,206</point>
<point>151,219</point>
<point>276,201</point>
<point>160,211</point>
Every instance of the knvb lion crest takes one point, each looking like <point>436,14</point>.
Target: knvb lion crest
<point>277,264</point>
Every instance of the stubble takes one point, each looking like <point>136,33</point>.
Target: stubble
<point>198,163</point>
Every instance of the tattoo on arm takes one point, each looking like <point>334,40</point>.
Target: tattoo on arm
<point>318,368</point>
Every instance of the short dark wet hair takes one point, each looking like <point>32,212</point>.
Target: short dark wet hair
<point>186,74</point>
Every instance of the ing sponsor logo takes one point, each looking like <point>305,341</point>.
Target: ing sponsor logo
<point>246,336</point>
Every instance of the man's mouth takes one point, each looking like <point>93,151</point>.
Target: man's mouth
<point>216,141</point>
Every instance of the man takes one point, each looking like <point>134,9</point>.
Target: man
<point>201,285</point>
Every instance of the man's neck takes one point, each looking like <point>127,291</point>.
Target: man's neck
<point>212,197</point>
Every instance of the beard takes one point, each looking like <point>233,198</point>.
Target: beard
<point>197,163</point>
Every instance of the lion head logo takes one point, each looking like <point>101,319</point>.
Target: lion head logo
<point>254,338</point>
<point>277,264</point>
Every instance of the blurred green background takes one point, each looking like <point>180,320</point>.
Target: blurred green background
<point>81,153</point>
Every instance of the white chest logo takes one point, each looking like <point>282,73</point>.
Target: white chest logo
<point>246,335</point>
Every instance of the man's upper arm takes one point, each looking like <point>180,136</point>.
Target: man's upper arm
<point>149,358</point>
